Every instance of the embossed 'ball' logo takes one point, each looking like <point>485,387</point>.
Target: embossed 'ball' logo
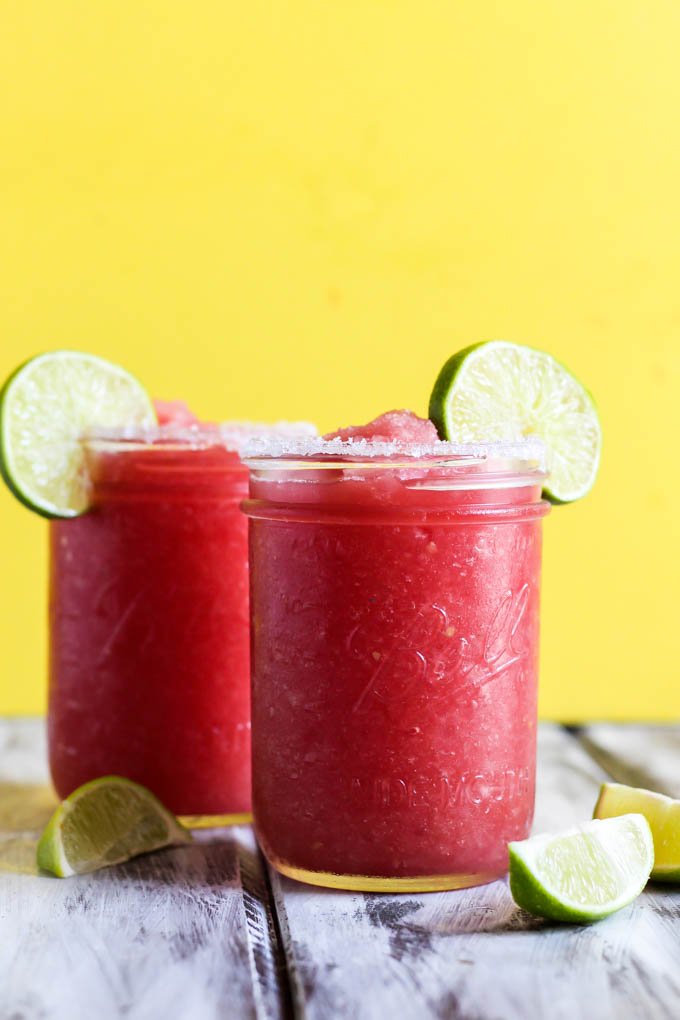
<point>430,655</point>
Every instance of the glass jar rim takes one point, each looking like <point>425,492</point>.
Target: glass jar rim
<point>231,435</point>
<point>528,457</point>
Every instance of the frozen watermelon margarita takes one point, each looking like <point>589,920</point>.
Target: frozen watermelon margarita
<point>395,606</point>
<point>394,600</point>
<point>149,629</point>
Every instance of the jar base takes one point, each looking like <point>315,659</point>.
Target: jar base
<point>376,883</point>
<point>215,821</point>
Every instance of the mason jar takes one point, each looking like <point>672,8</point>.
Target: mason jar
<point>149,630</point>
<point>395,625</point>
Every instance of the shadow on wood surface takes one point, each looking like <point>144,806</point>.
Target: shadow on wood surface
<point>25,809</point>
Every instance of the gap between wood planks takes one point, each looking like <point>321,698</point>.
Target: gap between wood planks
<point>268,959</point>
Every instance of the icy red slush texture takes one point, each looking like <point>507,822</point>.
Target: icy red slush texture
<point>149,657</point>
<point>395,655</point>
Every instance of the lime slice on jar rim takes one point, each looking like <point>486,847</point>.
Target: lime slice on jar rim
<point>45,407</point>
<point>105,822</point>
<point>583,874</point>
<point>502,390</point>
<point>663,815</point>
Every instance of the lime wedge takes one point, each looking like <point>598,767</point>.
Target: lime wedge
<point>45,406</point>
<point>663,815</point>
<point>499,390</point>
<point>583,874</point>
<point>105,822</point>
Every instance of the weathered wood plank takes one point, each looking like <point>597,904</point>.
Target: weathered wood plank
<point>473,954</point>
<point>186,932</point>
<point>646,756</point>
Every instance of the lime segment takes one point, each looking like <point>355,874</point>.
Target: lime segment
<point>45,407</point>
<point>583,874</point>
<point>663,815</point>
<point>104,822</point>
<point>501,390</point>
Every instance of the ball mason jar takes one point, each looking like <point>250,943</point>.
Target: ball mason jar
<point>395,623</point>
<point>149,629</point>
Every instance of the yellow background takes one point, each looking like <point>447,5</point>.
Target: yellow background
<point>300,209</point>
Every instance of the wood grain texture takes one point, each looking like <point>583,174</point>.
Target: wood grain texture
<point>473,954</point>
<point>646,756</point>
<point>185,932</point>
<point>191,932</point>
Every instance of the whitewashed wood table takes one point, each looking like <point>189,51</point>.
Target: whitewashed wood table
<point>208,931</point>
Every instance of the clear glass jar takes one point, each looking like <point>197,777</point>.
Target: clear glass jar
<point>149,630</point>
<point>395,618</point>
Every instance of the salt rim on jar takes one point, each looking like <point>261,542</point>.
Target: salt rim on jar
<point>232,435</point>
<point>528,454</point>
